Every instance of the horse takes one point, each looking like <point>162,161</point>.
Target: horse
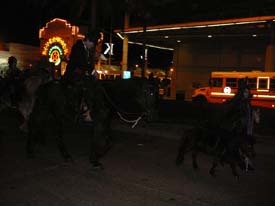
<point>23,99</point>
<point>226,146</point>
<point>28,97</point>
<point>58,101</point>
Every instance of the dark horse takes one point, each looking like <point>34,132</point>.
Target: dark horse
<point>57,101</point>
<point>226,145</point>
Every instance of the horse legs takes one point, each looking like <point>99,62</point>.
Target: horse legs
<point>182,150</point>
<point>60,142</point>
<point>212,171</point>
<point>94,154</point>
<point>30,143</point>
<point>194,159</point>
<point>232,164</point>
<point>180,156</point>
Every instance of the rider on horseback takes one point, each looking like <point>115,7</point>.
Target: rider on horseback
<point>240,117</point>
<point>79,71</point>
<point>82,58</point>
<point>240,107</point>
<point>81,65</point>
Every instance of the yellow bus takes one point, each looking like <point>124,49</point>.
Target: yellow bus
<point>223,86</point>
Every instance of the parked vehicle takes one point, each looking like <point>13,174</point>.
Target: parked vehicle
<point>223,86</point>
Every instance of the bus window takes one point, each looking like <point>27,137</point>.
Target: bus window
<point>231,82</point>
<point>272,84</point>
<point>262,83</point>
<point>252,83</point>
<point>216,82</point>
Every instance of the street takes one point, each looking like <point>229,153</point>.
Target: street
<point>138,170</point>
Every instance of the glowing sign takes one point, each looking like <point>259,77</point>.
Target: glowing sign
<point>227,90</point>
<point>126,74</point>
<point>55,48</point>
<point>55,41</point>
<point>109,49</point>
<point>55,54</point>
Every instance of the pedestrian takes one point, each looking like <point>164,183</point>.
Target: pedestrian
<point>13,72</point>
<point>14,80</point>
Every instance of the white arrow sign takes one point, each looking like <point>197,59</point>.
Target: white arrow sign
<point>109,49</point>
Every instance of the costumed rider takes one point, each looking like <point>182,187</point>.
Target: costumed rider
<point>81,66</point>
<point>82,58</point>
<point>240,107</point>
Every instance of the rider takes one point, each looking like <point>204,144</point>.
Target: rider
<point>81,65</point>
<point>240,107</point>
<point>82,58</point>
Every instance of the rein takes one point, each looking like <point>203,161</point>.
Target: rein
<point>119,111</point>
<point>130,121</point>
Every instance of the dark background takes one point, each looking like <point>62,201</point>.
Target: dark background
<point>21,20</point>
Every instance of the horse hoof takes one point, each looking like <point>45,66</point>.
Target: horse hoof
<point>195,167</point>
<point>179,161</point>
<point>68,159</point>
<point>212,173</point>
<point>97,166</point>
<point>250,169</point>
<point>30,155</point>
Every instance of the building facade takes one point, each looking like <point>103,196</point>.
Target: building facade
<point>241,44</point>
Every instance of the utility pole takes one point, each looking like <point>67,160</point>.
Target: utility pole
<point>145,50</point>
<point>125,43</point>
<point>270,51</point>
<point>93,15</point>
<point>110,41</point>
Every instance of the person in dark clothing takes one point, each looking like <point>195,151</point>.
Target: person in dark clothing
<point>81,65</point>
<point>13,72</point>
<point>14,80</point>
<point>239,108</point>
<point>82,58</point>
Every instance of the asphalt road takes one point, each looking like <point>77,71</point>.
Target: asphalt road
<point>139,169</point>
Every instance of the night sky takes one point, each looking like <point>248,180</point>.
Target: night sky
<point>21,20</point>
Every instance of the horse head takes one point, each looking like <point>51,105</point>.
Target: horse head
<point>131,97</point>
<point>151,97</point>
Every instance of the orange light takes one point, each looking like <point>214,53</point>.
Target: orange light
<point>53,41</point>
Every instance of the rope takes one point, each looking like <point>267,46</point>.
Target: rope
<point>114,105</point>
<point>130,121</point>
<point>119,109</point>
